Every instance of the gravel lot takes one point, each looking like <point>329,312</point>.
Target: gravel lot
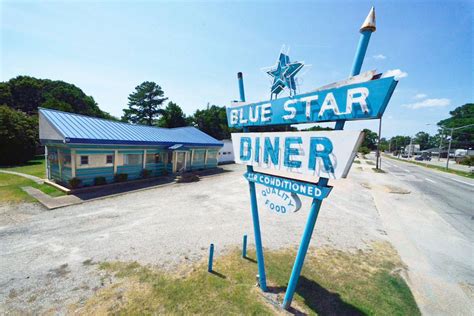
<point>47,255</point>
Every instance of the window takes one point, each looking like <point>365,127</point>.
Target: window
<point>198,156</point>
<point>84,160</point>
<point>53,157</point>
<point>66,160</point>
<point>212,154</point>
<point>170,157</point>
<point>109,159</point>
<point>132,159</point>
<point>153,158</point>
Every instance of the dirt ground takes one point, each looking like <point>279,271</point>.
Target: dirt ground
<point>47,256</point>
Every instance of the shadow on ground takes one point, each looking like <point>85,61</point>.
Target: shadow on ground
<point>318,299</point>
<point>119,188</point>
<point>89,193</point>
<point>322,301</point>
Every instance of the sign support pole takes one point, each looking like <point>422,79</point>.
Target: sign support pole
<point>303,249</point>
<point>253,201</point>
<point>366,31</point>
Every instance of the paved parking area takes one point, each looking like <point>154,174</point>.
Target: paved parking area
<point>47,255</point>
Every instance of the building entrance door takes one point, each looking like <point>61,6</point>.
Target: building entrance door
<point>180,161</point>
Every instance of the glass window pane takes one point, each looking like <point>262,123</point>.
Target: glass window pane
<point>132,159</point>
<point>84,160</point>
<point>157,158</point>
<point>150,158</point>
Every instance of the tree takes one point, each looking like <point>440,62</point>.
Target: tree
<point>318,128</point>
<point>172,116</point>
<point>461,116</point>
<point>397,142</point>
<point>384,145</point>
<point>26,94</point>
<point>422,139</point>
<point>212,121</point>
<point>18,136</point>
<point>370,139</point>
<point>144,105</point>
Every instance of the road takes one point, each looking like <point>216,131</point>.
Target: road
<point>430,223</point>
<point>451,196</point>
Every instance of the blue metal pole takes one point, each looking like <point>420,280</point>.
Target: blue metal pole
<point>244,247</point>
<point>305,240</point>
<point>361,50</point>
<point>366,31</point>
<point>253,202</point>
<point>211,255</point>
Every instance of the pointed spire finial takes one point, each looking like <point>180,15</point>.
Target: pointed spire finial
<point>369,23</point>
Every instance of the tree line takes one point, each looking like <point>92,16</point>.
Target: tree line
<point>21,97</point>
<point>462,138</point>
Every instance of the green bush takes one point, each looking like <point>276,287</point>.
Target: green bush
<point>18,136</point>
<point>99,181</point>
<point>75,183</point>
<point>467,161</point>
<point>120,177</point>
<point>364,150</point>
<point>146,173</point>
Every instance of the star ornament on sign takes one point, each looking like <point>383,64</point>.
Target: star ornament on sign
<point>284,74</point>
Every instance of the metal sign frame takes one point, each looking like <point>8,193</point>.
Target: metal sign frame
<point>320,190</point>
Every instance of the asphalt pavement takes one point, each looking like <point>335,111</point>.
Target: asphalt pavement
<point>451,196</point>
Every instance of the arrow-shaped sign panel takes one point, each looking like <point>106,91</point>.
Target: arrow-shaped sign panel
<point>360,101</point>
<point>327,154</point>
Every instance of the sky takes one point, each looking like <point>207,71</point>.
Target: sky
<point>194,50</point>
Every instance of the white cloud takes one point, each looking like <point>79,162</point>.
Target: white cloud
<point>420,96</point>
<point>428,103</point>
<point>397,73</point>
<point>380,57</point>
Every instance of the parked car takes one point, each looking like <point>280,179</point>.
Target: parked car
<point>421,158</point>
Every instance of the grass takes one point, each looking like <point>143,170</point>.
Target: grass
<point>439,168</point>
<point>10,189</point>
<point>378,170</point>
<point>333,282</point>
<point>35,167</point>
<point>10,185</point>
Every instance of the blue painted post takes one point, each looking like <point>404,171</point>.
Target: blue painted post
<point>211,256</point>
<point>305,240</point>
<point>244,247</point>
<point>361,50</point>
<point>253,201</point>
<point>366,30</point>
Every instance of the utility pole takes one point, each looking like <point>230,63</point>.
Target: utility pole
<point>411,147</point>
<point>449,148</point>
<point>379,162</point>
<point>440,146</point>
<point>451,139</point>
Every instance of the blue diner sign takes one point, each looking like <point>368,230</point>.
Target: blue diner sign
<point>299,187</point>
<point>288,157</point>
<point>361,101</point>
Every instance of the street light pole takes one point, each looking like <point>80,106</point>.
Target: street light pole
<point>440,146</point>
<point>379,162</point>
<point>451,139</point>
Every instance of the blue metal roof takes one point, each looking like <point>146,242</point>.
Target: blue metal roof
<point>80,129</point>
